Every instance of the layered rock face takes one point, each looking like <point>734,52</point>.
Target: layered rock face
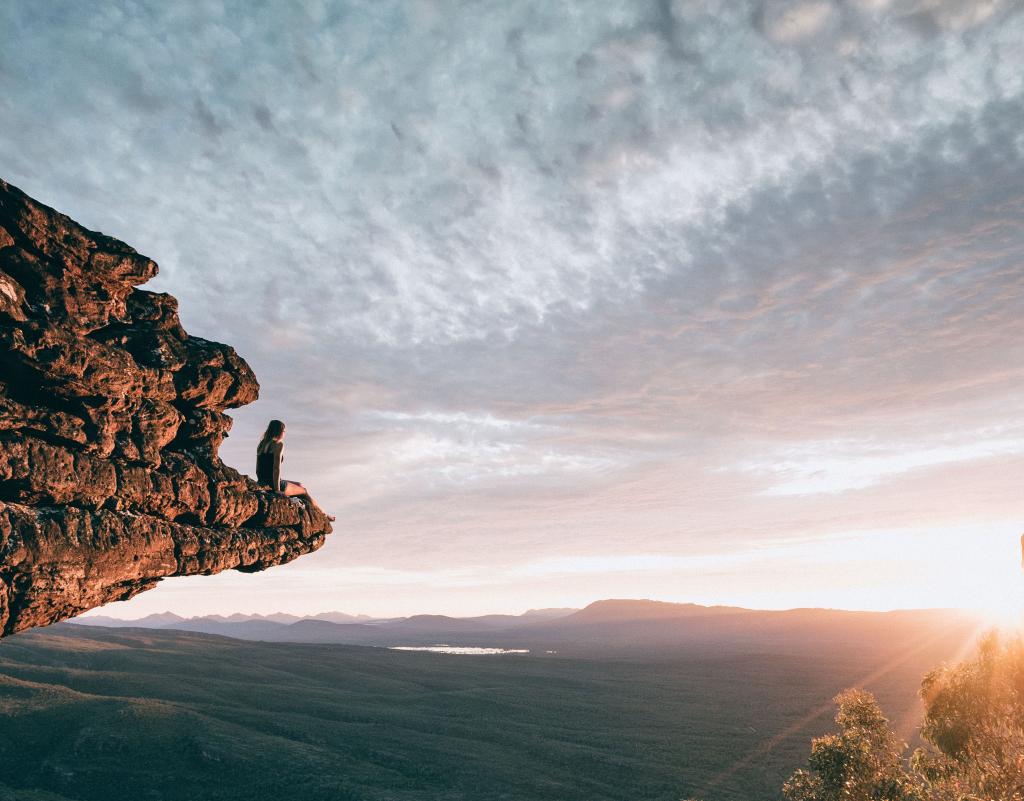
<point>110,421</point>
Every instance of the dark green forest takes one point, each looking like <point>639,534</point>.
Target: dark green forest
<point>91,714</point>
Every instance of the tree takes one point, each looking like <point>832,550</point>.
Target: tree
<point>974,724</point>
<point>973,729</point>
<point>861,762</point>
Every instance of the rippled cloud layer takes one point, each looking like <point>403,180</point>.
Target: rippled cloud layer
<point>533,282</point>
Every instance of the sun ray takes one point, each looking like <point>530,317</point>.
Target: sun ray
<point>912,649</point>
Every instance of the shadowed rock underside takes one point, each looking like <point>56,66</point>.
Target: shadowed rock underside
<point>110,421</point>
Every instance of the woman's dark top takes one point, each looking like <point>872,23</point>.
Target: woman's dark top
<point>268,466</point>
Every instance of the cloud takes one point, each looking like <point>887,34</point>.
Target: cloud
<point>788,22</point>
<point>841,466</point>
<point>516,189</point>
<point>523,276</point>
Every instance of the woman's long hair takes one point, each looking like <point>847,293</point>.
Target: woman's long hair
<point>274,432</point>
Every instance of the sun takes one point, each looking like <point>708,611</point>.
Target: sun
<point>998,593</point>
<point>979,571</point>
<point>1005,612</point>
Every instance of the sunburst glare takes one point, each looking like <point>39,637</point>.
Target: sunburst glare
<point>999,596</point>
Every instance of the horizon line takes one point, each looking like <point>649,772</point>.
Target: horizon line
<point>98,611</point>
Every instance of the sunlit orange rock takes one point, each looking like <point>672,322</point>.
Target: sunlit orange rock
<point>110,421</point>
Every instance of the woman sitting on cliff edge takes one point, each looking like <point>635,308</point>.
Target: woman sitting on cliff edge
<point>269,455</point>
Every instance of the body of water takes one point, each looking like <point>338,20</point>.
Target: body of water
<point>459,649</point>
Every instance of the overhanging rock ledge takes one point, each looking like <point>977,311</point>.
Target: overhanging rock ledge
<point>111,417</point>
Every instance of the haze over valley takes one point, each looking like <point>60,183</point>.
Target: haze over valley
<point>622,699</point>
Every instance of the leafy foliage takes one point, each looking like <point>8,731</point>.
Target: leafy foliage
<point>861,762</point>
<point>975,723</point>
<point>973,730</point>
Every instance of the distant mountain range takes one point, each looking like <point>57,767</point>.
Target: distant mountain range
<point>618,624</point>
<point>169,620</point>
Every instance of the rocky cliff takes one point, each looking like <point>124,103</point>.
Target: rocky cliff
<point>110,421</point>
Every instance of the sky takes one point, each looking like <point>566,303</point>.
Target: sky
<point>697,301</point>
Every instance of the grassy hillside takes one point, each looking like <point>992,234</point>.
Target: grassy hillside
<point>102,715</point>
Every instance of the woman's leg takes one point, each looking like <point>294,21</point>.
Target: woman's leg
<point>293,488</point>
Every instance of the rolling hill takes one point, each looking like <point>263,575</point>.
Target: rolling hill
<point>723,712</point>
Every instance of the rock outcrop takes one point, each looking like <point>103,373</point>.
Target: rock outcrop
<point>110,421</point>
